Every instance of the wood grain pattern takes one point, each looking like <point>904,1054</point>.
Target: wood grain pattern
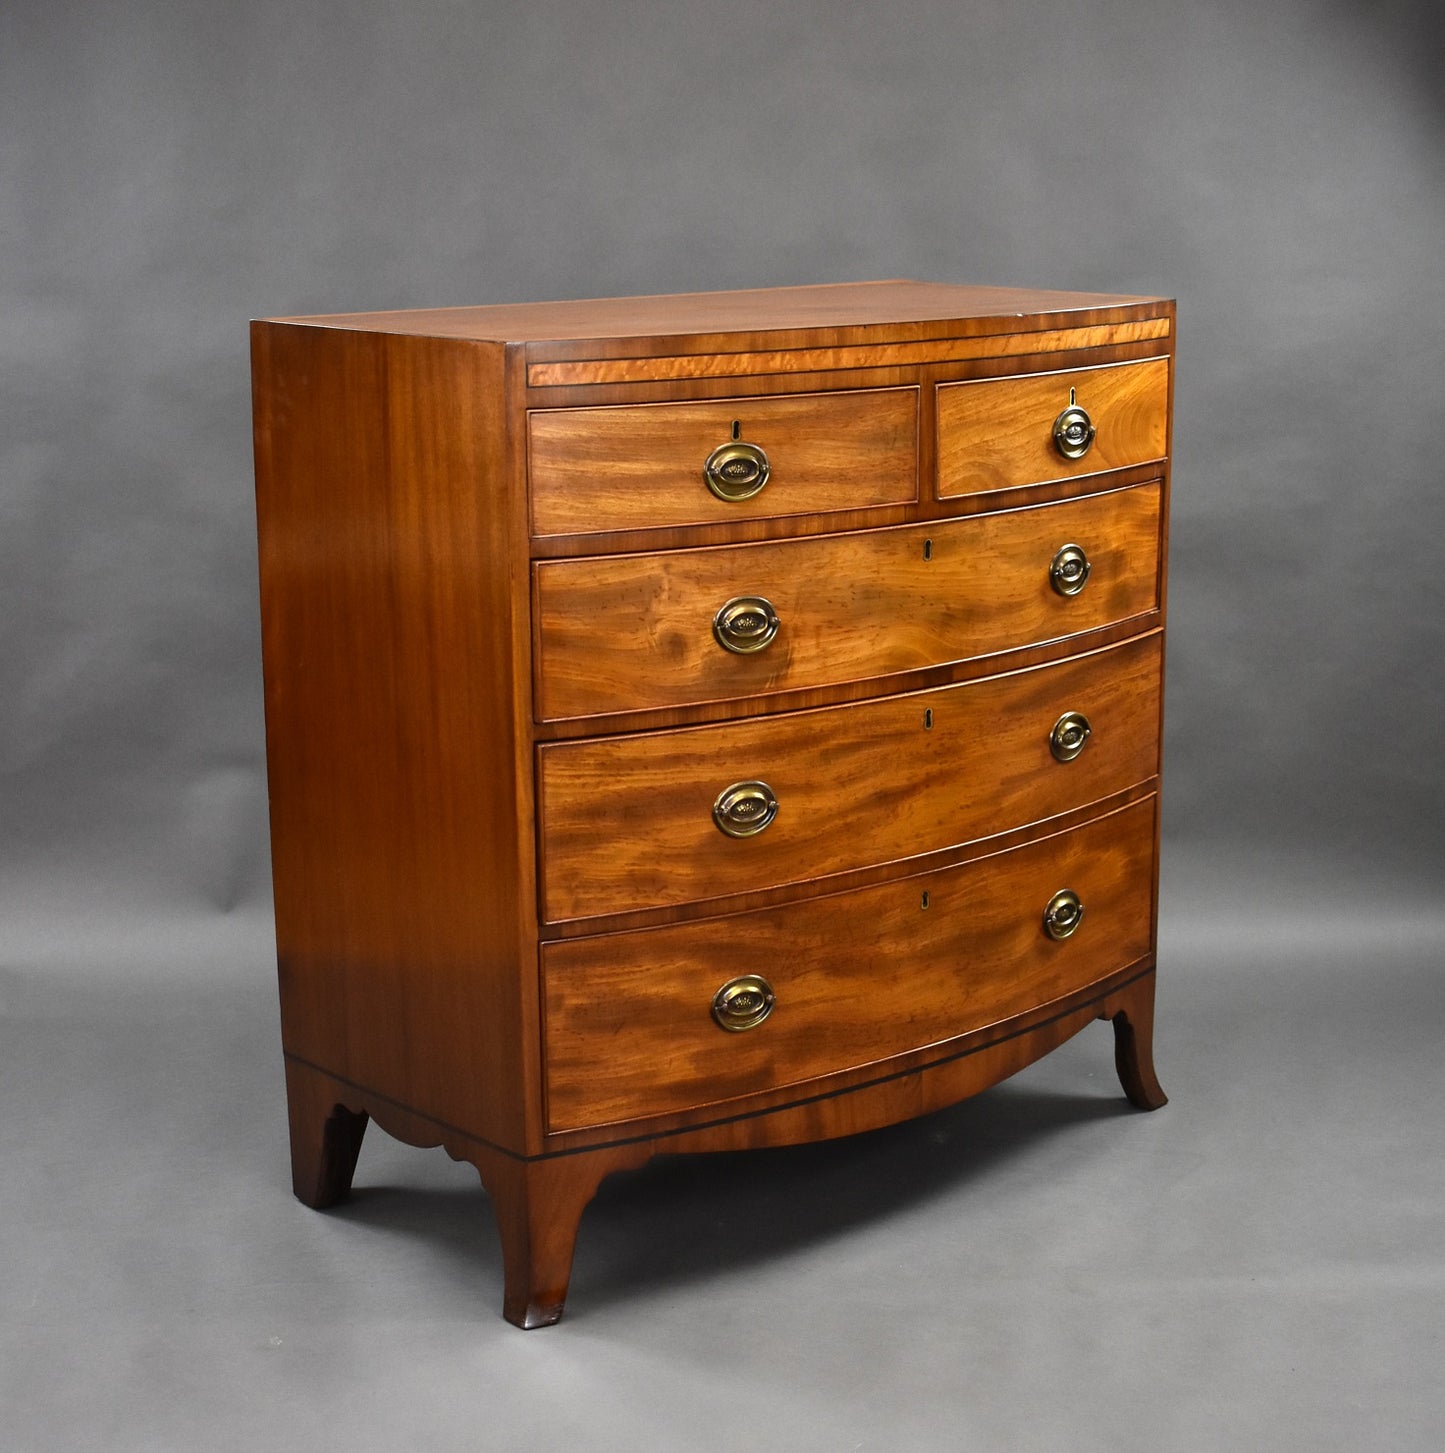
<point>727,321</point>
<point>401,825</point>
<point>626,822</point>
<point>755,530</point>
<point>629,1031</point>
<point>1095,347</point>
<point>641,465</point>
<point>878,1095</point>
<point>623,633</point>
<point>849,879</point>
<point>808,360</point>
<point>998,434</point>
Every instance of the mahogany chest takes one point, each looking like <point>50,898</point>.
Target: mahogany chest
<point>704,722</point>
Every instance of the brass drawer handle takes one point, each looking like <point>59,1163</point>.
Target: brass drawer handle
<point>745,808</point>
<point>736,471</point>
<point>1069,570</point>
<point>745,624</point>
<point>1070,733</point>
<point>743,1003</point>
<point>1074,432</point>
<point>1063,915</point>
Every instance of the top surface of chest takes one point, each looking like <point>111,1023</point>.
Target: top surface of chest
<point>906,308</point>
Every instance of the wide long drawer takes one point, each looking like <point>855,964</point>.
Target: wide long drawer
<point>643,821</point>
<point>637,466</point>
<point>857,978</point>
<point>630,632</point>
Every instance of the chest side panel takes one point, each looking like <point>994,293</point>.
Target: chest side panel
<point>400,810</point>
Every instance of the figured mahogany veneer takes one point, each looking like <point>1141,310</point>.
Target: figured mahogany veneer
<point>989,437</point>
<point>623,632</point>
<point>504,737</point>
<point>846,778</point>
<point>624,1040</point>
<point>636,465</point>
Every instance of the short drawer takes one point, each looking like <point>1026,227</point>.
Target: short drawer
<point>630,1029</point>
<point>636,466</point>
<point>631,632</point>
<point>643,821</point>
<point>999,433</point>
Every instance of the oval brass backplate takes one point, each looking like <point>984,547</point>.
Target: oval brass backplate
<point>1069,570</point>
<point>1074,432</point>
<point>1063,915</point>
<point>743,1003</point>
<point>745,808</point>
<point>1070,733</point>
<point>736,471</point>
<point>745,624</point>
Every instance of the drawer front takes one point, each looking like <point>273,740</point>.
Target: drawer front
<point>999,433</point>
<point>631,822</point>
<point>637,466</point>
<point>631,632</point>
<point>857,977</point>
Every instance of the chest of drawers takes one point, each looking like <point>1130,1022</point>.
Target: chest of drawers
<point>704,722</point>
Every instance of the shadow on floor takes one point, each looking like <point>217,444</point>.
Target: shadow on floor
<point>686,1217</point>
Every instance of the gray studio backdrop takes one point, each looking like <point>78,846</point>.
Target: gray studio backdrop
<point>171,168</point>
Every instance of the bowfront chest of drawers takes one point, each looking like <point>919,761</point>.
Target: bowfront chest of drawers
<point>704,722</point>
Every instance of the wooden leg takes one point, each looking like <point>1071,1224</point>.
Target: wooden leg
<point>539,1205</point>
<point>1133,1016</point>
<point>325,1138</point>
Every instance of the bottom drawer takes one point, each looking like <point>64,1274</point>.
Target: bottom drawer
<point>857,978</point>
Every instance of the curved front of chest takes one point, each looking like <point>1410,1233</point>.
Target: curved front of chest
<point>641,821</point>
<point>627,633</point>
<point>641,1024</point>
